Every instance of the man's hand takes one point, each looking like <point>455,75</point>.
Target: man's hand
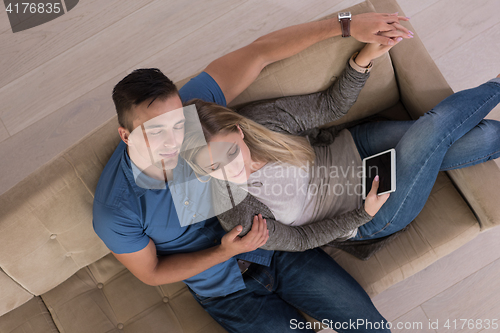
<point>232,244</point>
<point>367,28</point>
<point>156,270</point>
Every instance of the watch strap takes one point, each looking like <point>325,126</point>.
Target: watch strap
<point>345,23</point>
<point>357,67</point>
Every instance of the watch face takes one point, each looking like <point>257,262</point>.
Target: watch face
<point>343,15</point>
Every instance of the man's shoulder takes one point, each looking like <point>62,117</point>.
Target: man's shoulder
<point>204,87</point>
<point>115,213</point>
<point>112,187</point>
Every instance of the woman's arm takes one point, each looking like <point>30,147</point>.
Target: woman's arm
<point>284,237</point>
<point>235,207</point>
<point>296,114</point>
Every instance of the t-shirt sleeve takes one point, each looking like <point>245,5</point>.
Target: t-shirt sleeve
<point>204,87</point>
<point>119,230</point>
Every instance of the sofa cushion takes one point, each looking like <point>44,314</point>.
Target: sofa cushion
<point>106,297</point>
<point>444,224</point>
<point>89,156</point>
<point>46,230</point>
<point>31,317</point>
<point>12,294</point>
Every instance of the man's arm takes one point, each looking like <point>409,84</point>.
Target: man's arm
<point>235,71</point>
<point>154,270</point>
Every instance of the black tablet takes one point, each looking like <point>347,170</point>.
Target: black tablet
<point>384,165</point>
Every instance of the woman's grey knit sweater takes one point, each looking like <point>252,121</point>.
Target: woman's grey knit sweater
<point>297,115</point>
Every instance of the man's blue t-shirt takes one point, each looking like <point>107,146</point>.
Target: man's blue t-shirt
<point>126,216</point>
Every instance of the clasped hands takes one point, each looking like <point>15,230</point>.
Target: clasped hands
<point>380,31</point>
<point>378,28</point>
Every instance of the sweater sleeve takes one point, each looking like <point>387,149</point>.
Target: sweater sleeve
<point>296,114</point>
<point>292,238</point>
<point>315,234</point>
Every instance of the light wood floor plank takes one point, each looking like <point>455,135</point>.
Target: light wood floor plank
<point>475,297</point>
<point>23,51</point>
<point>413,321</point>
<point>412,7</point>
<point>3,133</point>
<point>337,6</point>
<point>415,290</point>
<point>449,23</point>
<point>194,52</point>
<point>4,20</point>
<point>101,57</point>
<point>472,63</point>
<point>47,138</point>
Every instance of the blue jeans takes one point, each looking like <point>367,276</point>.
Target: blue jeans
<point>310,281</point>
<point>452,135</point>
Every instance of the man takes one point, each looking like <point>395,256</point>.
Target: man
<point>138,216</point>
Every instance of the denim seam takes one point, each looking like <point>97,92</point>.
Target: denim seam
<point>420,171</point>
<point>271,285</point>
<point>495,81</point>
<point>477,159</point>
<point>378,231</point>
<point>262,284</point>
<point>311,314</point>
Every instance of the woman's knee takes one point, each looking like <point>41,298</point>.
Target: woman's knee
<point>490,126</point>
<point>489,132</point>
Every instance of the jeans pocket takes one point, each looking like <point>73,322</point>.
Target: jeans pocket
<point>203,300</point>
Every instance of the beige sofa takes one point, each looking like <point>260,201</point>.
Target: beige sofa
<point>57,276</point>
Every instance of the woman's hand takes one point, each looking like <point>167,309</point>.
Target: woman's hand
<point>373,201</point>
<point>372,51</point>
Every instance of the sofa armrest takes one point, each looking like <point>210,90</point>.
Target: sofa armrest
<point>479,185</point>
<point>422,86</point>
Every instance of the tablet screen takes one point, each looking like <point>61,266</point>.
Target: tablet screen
<point>380,165</point>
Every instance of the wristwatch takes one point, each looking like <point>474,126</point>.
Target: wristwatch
<point>345,23</point>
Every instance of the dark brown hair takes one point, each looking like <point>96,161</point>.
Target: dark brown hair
<point>139,86</point>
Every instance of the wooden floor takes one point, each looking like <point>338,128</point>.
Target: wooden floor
<point>56,82</point>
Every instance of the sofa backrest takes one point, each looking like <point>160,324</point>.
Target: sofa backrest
<point>46,230</point>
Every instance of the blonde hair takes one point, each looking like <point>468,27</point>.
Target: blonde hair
<point>264,144</point>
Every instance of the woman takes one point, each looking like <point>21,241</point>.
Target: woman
<point>257,157</point>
